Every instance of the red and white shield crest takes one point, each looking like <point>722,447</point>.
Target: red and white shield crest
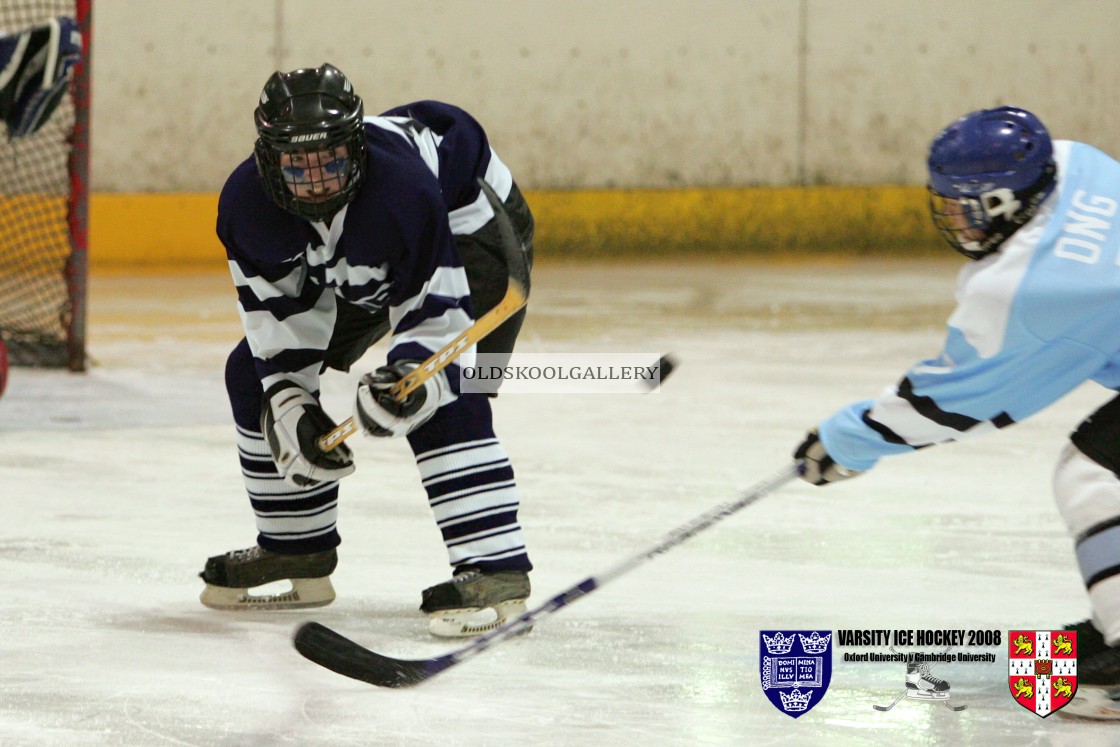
<point>1042,668</point>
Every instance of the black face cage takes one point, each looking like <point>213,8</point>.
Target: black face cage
<point>996,230</point>
<point>268,155</point>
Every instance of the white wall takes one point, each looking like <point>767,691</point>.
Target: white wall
<point>610,93</point>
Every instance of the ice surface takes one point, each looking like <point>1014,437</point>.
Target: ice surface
<point>118,483</point>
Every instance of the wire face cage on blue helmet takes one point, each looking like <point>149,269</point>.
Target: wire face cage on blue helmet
<point>988,174</point>
<point>310,149</point>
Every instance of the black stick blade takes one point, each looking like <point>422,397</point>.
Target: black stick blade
<point>666,364</point>
<point>337,653</point>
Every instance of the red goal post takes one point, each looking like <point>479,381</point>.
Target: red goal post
<point>44,209</point>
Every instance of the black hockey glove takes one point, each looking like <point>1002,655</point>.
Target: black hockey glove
<point>292,422</point>
<point>380,414</point>
<point>815,465</point>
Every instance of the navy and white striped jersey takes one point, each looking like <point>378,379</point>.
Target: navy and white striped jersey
<point>1033,321</point>
<point>392,245</point>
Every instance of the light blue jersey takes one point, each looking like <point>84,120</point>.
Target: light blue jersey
<point>1033,321</point>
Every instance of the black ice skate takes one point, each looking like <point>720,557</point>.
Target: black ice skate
<point>921,685</point>
<point>1098,664</point>
<point>231,577</point>
<point>474,602</point>
<point>1098,677</point>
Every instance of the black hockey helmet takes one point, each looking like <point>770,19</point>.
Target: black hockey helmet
<point>307,111</point>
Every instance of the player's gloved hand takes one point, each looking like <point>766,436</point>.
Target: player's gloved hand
<point>381,414</point>
<point>292,422</point>
<point>815,465</point>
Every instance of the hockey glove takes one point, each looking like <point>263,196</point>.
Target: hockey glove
<point>816,466</point>
<point>37,67</point>
<point>292,422</point>
<point>381,414</point>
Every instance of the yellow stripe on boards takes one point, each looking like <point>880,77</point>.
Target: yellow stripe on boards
<point>158,230</point>
<point>169,230</point>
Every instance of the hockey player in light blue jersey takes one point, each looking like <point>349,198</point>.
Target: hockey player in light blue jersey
<point>1038,314</point>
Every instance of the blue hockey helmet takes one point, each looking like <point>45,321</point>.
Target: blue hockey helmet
<point>305,112</point>
<point>988,174</point>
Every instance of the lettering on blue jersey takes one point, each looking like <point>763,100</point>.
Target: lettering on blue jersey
<point>1082,235</point>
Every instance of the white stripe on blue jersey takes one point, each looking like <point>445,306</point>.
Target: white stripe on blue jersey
<point>289,285</point>
<point>269,336</point>
<point>469,218</point>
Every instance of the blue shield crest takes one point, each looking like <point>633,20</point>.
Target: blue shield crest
<point>796,667</point>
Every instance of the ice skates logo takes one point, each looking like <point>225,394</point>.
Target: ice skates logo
<point>1042,669</point>
<point>921,684</point>
<point>796,667</point>
<point>815,643</point>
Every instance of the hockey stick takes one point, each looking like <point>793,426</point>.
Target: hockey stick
<point>894,702</point>
<point>517,295</point>
<point>328,649</point>
<point>892,705</point>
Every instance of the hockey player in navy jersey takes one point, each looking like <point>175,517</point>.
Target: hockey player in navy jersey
<point>1038,314</point>
<point>342,229</point>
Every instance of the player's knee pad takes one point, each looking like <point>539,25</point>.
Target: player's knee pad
<point>1088,497</point>
<point>1087,493</point>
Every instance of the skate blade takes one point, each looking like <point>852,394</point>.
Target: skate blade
<point>305,592</point>
<point>472,621</point>
<point>917,695</point>
<point>1093,704</point>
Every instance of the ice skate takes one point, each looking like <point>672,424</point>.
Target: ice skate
<point>921,685</point>
<point>1094,703</point>
<point>231,578</point>
<point>474,602</point>
<point>1098,664</point>
<point>1098,676</point>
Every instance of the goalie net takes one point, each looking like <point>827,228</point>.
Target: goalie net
<point>43,213</point>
